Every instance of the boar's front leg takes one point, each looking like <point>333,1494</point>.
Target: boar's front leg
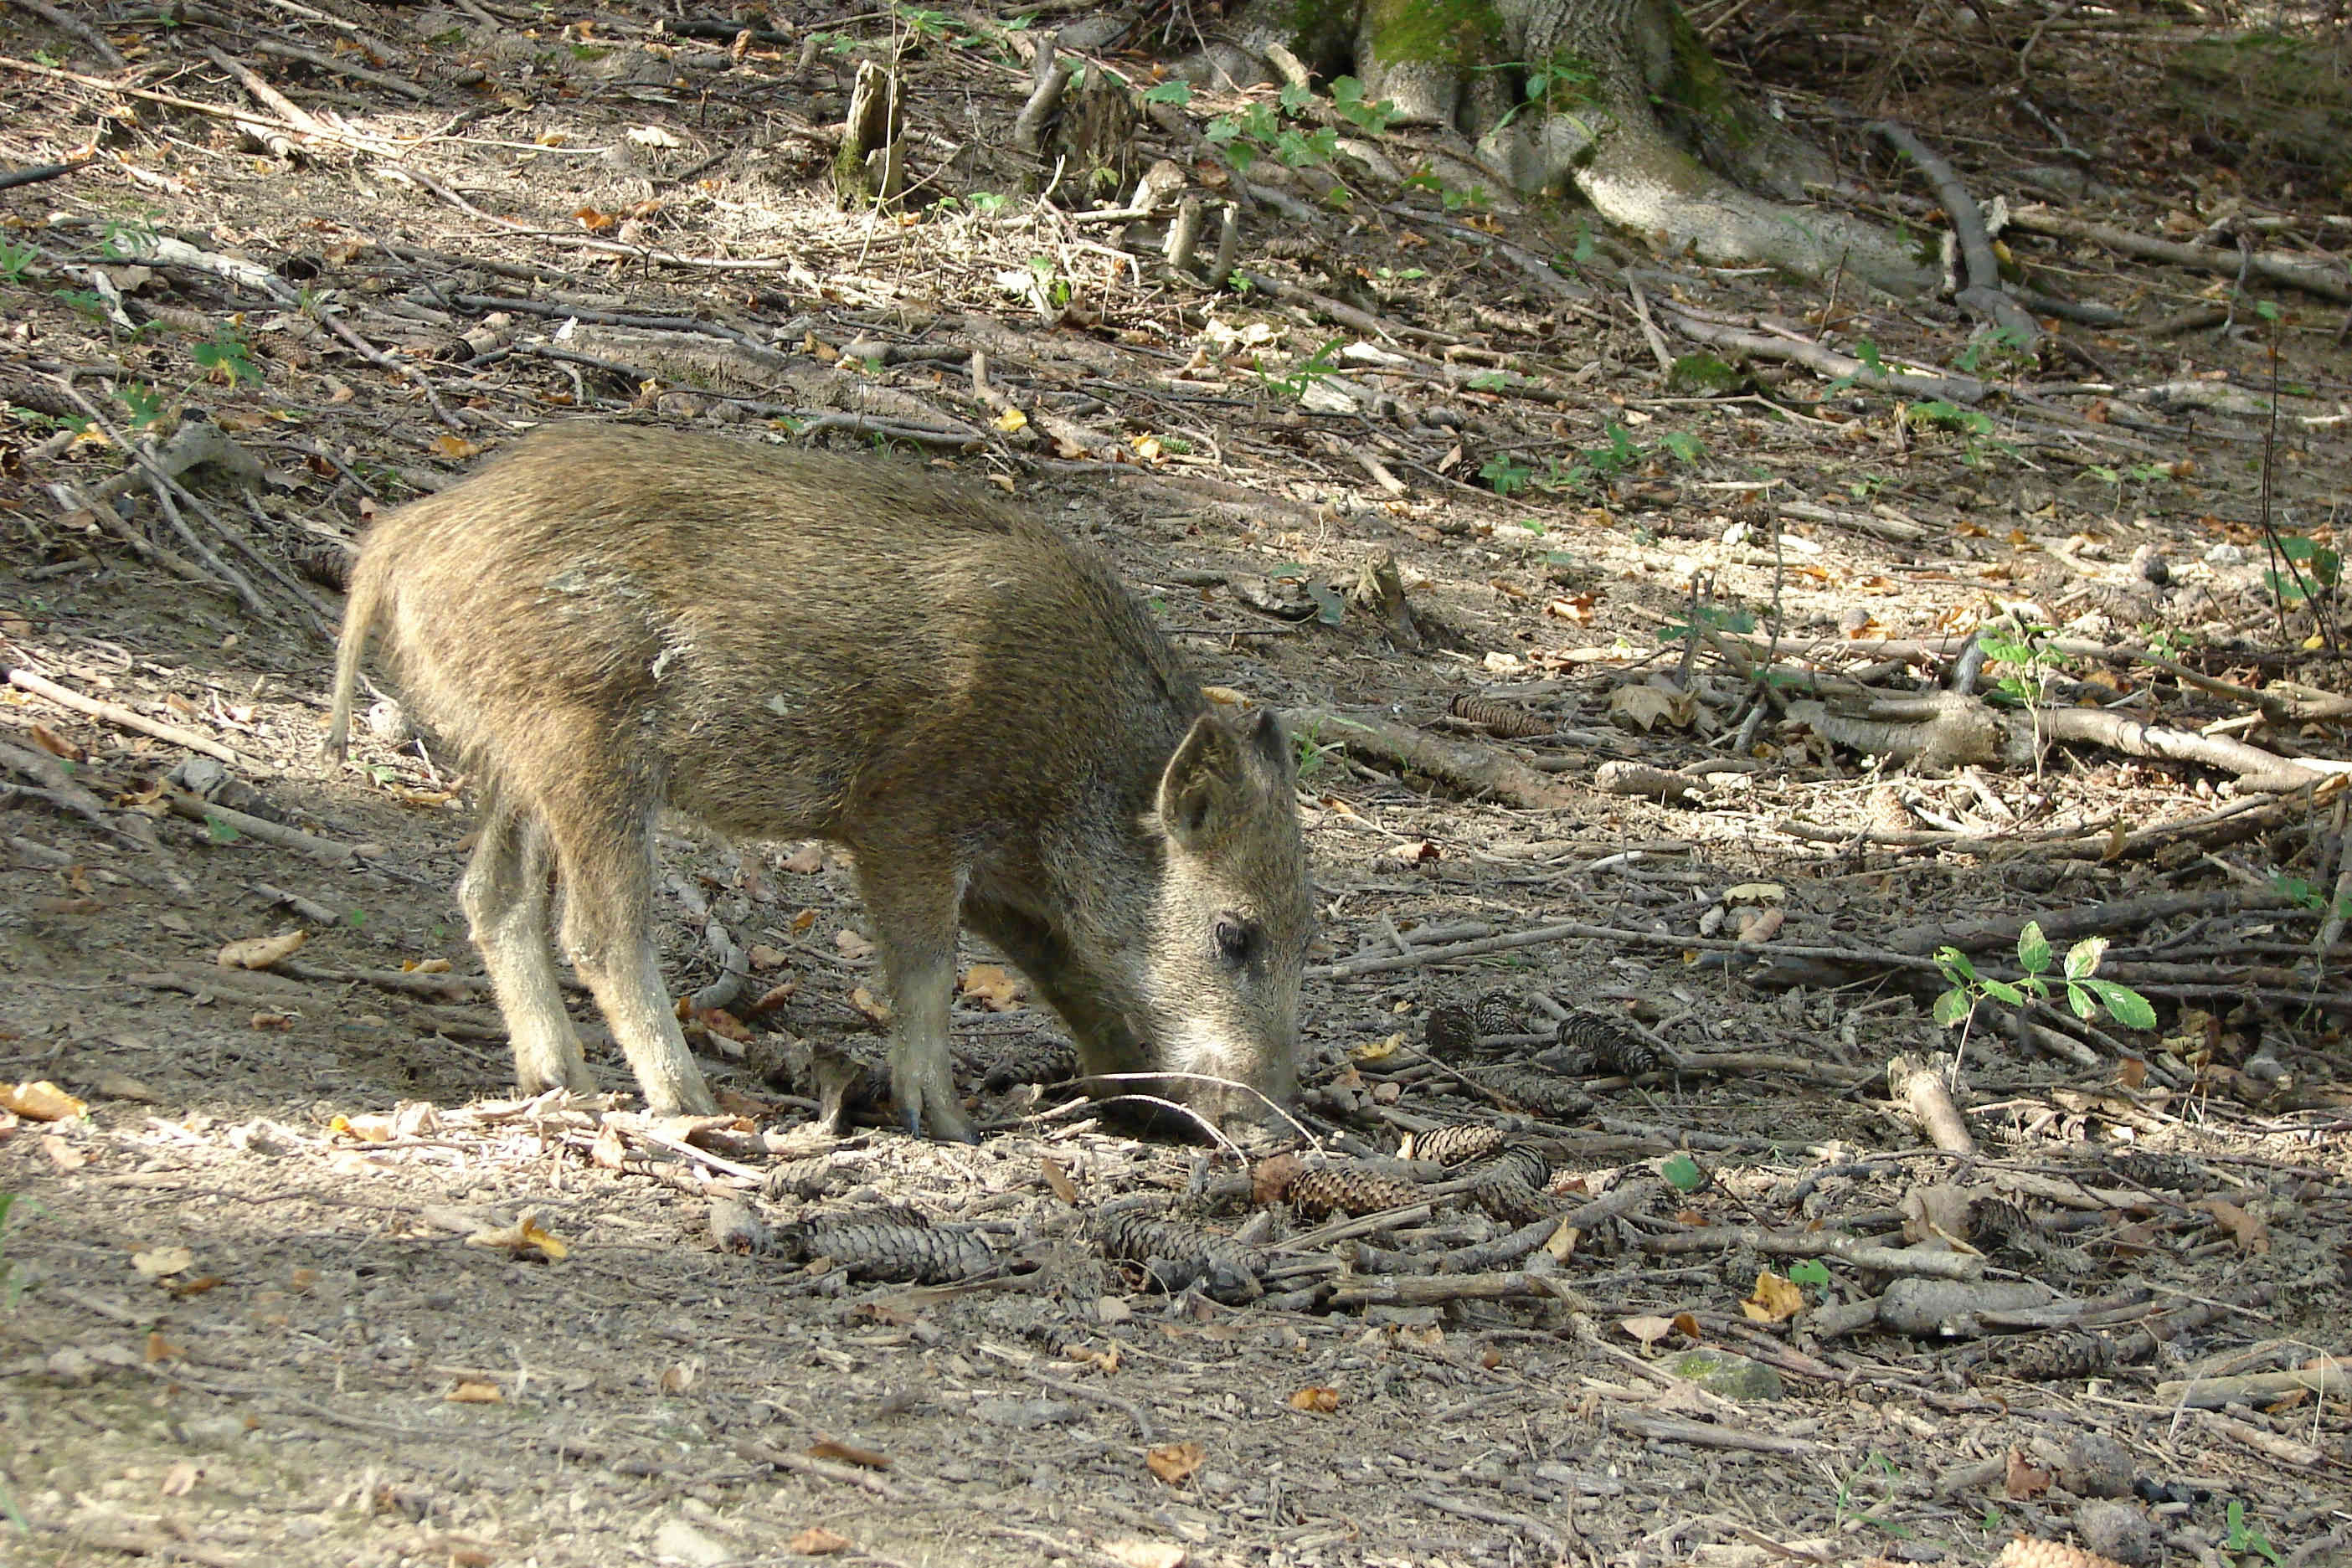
<point>913,907</point>
<point>1105,1042</point>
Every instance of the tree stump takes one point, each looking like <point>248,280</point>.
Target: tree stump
<point>870,170</point>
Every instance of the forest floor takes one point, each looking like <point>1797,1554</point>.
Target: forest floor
<point>1629,877</point>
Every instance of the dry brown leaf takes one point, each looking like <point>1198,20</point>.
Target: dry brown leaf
<point>160,1349</point>
<point>1175,1462</point>
<point>62,1154</point>
<point>56,745</point>
<point>853,945</point>
<point>994,987</point>
<point>681,1376</point>
<point>260,952</point>
<point>2248,1230</point>
<point>806,861</point>
<point>471,1392</point>
<point>1644,707</point>
<point>865,1002</point>
<point>1270,1179</point>
<point>774,996</point>
<point>524,1239</point>
<point>40,1101</point>
<point>607,1149</point>
<point>1103,1361</point>
<point>1058,1180</point>
<point>2024,1480</point>
<point>816,1541</point>
<point>1647,1327</point>
<point>763,956</point>
<point>1775,1300</point>
<point>368,1126</point>
<point>1317,1399</point>
<point>159,1262</point>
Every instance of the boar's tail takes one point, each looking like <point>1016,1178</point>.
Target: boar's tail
<point>360,611</point>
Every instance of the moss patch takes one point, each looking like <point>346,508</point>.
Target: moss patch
<point>1459,33</point>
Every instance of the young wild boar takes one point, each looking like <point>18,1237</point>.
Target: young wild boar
<point>785,644</point>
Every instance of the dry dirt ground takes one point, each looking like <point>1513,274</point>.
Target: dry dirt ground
<point>285,1280</point>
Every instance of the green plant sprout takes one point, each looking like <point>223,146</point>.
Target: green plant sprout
<point>1322,362</point>
<point>2086,993</point>
<point>2026,651</point>
<point>228,355</point>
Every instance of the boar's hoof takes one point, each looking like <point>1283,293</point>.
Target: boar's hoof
<point>687,1100</point>
<point>949,1124</point>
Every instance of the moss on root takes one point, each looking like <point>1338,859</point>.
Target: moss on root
<point>1458,33</point>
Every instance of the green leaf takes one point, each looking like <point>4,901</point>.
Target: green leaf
<point>1179,93</point>
<point>2085,1005</point>
<point>2083,957</point>
<point>1809,1271</point>
<point>2003,991</point>
<point>2129,1007</point>
<point>1329,608</point>
<point>1951,1007</point>
<point>1682,1172</point>
<point>219,830</point>
<point>1955,963</point>
<point>2032,948</point>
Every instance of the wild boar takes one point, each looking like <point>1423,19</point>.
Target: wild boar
<point>785,644</point>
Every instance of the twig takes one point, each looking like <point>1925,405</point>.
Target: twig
<point>220,819</point>
<point>1657,342</point>
<point>318,61</point>
<point>243,116</point>
<point>126,718</point>
<point>66,23</point>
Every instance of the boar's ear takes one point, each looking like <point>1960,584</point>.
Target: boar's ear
<point>1201,788</point>
<point>1268,738</point>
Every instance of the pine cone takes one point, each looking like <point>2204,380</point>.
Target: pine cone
<point>1348,1191</point>
<point>1614,1048</point>
<point>1456,1145</point>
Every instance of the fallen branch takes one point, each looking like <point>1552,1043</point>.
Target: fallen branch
<point>317,61</point>
<point>1980,293</point>
<point>2196,257</point>
<point>1824,361</point>
<point>1475,767</point>
<point>1920,1088</point>
<point>226,825</point>
<point>125,718</point>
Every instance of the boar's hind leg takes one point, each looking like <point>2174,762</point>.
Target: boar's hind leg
<point>914,916</point>
<point>605,850</point>
<point>1105,1042</point>
<point>504,896</point>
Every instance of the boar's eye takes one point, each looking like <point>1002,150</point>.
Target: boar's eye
<point>1236,938</point>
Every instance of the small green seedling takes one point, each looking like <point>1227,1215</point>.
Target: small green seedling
<point>2086,993</point>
